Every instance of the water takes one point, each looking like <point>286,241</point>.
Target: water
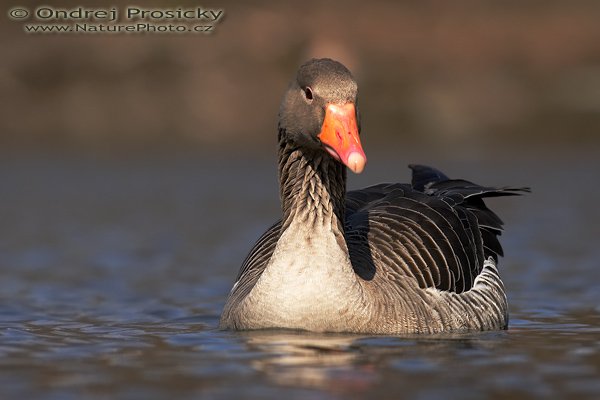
<point>113,275</point>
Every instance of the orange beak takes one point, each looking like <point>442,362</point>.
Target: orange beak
<point>339,135</point>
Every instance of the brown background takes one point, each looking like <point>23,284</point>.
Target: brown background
<point>475,75</point>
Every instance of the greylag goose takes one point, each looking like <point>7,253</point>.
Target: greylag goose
<point>388,259</point>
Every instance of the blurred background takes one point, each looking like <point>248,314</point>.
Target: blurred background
<point>480,74</point>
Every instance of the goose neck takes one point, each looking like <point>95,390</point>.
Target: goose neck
<point>312,187</point>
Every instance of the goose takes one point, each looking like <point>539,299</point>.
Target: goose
<point>389,259</point>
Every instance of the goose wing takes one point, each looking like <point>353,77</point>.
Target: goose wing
<point>256,261</point>
<point>436,230</point>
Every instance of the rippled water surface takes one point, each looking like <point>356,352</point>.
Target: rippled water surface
<point>113,275</point>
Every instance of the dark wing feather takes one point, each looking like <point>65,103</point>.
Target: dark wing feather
<point>256,261</point>
<point>437,230</point>
<point>423,176</point>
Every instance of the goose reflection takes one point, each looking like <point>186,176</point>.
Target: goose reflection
<point>330,362</point>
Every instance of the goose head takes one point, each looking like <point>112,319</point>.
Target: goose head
<point>319,112</point>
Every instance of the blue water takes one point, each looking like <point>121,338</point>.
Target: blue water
<point>113,273</point>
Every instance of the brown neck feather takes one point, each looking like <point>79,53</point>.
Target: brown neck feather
<point>312,187</point>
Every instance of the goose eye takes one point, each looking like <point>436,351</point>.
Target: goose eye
<point>308,93</point>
